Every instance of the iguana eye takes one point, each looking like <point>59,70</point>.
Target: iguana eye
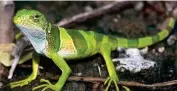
<point>36,16</point>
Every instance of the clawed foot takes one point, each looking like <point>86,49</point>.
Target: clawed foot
<point>22,82</point>
<point>46,86</point>
<point>109,80</point>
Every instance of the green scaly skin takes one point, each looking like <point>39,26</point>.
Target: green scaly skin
<point>59,44</point>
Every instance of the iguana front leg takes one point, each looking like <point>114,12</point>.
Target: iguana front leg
<point>60,62</point>
<point>35,65</point>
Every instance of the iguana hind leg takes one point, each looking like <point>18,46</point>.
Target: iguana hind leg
<point>105,51</point>
<point>35,65</point>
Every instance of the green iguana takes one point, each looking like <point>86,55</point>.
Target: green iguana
<point>60,44</point>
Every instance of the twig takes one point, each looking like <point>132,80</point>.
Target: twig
<point>161,84</point>
<point>125,83</point>
<point>28,66</point>
<point>20,45</point>
<point>115,6</point>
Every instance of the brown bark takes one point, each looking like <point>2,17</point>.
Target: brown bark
<point>6,24</point>
<point>6,32</point>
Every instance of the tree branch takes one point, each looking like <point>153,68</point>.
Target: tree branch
<point>115,6</point>
<point>125,83</point>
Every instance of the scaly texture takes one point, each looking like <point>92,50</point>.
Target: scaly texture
<point>58,44</point>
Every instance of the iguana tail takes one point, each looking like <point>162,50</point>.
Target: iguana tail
<point>149,40</point>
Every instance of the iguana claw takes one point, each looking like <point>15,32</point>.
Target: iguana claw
<point>46,86</point>
<point>115,80</point>
<point>22,82</point>
<point>109,80</point>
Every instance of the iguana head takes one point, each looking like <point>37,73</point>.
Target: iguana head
<point>33,24</point>
<point>30,19</point>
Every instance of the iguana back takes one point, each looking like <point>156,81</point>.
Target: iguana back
<point>74,44</point>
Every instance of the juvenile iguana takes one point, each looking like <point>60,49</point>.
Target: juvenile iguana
<point>60,44</point>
